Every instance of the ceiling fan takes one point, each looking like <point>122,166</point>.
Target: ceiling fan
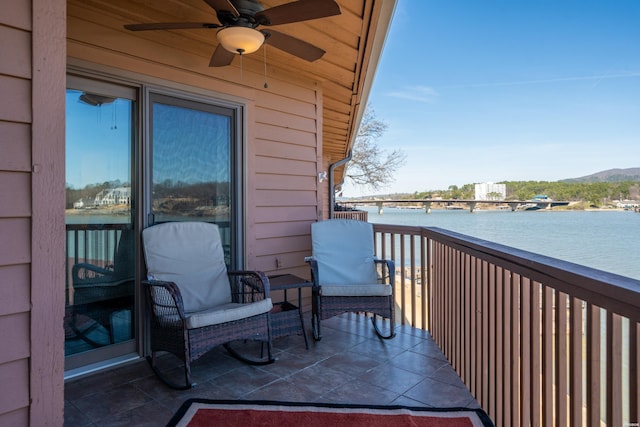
<point>239,19</point>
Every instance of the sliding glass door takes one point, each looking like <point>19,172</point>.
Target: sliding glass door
<point>100,245</point>
<point>136,157</point>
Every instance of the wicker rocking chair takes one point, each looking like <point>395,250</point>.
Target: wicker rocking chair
<point>347,277</point>
<point>195,304</point>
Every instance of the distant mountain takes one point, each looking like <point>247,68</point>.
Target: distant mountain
<point>611,175</point>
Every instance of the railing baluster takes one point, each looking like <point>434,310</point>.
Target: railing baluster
<point>506,351</point>
<point>634,372</point>
<point>536,348</point>
<point>412,249</point>
<point>614,369</point>
<point>561,359</point>
<point>445,291</point>
<point>474,375</point>
<point>442,290</point>
<point>547,356</point>
<point>516,398</point>
<point>484,342</point>
<point>433,280</point>
<point>468,316</point>
<point>525,349</point>
<point>594,363</point>
<point>423,283</point>
<point>403,278</point>
<point>492,357</point>
<point>454,303</point>
<point>575,366</point>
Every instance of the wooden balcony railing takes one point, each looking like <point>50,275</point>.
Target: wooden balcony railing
<point>352,214</point>
<point>538,341</point>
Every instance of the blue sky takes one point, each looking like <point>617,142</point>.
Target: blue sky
<point>98,141</point>
<point>487,91</point>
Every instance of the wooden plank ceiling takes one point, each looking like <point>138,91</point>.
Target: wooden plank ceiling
<point>347,38</point>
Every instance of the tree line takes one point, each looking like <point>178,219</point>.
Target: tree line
<point>201,193</point>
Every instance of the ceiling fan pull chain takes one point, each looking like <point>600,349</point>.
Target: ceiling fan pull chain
<point>240,66</point>
<point>265,67</point>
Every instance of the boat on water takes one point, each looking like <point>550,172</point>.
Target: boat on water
<point>540,201</point>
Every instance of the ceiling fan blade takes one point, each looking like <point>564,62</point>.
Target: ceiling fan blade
<point>301,10</point>
<point>292,45</point>
<point>221,57</point>
<point>170,26</point>
<point>221,6</point>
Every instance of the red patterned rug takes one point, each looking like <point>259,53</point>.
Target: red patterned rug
<point>203,412</point>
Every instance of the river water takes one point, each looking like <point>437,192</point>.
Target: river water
<point>608,240</point>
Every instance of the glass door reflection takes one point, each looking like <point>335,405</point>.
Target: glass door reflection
<point>100,245</point>
<point>192,165</point>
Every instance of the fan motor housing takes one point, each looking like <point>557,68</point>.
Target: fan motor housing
<point>247,10</point>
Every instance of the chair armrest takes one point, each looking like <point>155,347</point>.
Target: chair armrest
<point>164,298</point>
<point>90,273</point>
<point>93,284</point>
<point>389,265</point>
<point>245,283</point>
<point>315,274</point>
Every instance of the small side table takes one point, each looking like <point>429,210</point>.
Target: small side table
<point>286,318</point>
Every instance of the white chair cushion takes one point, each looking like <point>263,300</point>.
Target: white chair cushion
<point>191,255</point>
<point>344,251</point>
<point>227,313</point>
<point>356,290</point>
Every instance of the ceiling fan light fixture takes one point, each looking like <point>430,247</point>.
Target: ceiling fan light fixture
<point>240,40</point>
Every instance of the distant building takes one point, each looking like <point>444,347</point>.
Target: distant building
<point>627,204</point>
<point>83,203</point>
<point>113,196</point>
<point>491,191</point>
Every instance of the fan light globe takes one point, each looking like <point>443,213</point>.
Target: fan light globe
<point>240,40</point>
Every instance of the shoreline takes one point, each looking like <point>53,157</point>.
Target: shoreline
<point>498,209</point>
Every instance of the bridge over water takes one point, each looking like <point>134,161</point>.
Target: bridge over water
<point>472,204</point>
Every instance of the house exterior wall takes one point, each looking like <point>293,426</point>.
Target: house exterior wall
<point>41,39</point>
<point>283,132</point>
<point>32,217</point>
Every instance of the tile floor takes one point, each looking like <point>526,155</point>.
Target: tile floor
<point>349,365</point>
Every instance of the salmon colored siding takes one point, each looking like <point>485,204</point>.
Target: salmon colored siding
<point>285,200</point>
<point>47,218</point>
<point>32,35</point>
<point>15,146</point>
<point>15,212</point>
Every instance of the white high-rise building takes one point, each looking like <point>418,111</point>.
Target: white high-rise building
<point>491,191</point>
